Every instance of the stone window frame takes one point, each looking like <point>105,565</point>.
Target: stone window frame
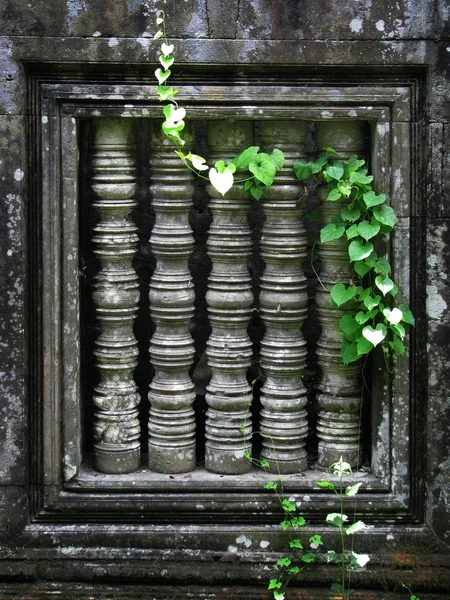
<point>391,494</point>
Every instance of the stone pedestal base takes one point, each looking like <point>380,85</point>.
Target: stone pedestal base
<point>162,459</point>
<point>117,461</point>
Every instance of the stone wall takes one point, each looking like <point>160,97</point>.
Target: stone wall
<point>51,535</point>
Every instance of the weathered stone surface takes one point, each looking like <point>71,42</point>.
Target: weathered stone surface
<point>12,319</point>
<point>171,428</point>
<point>438,304</point>
<point>237,52</point>
<point>438,464</point>
<point>283,302</point>
<point>10,92</point>
<point>263,19</point>
<point>229,297</point>
<point>116,296</point>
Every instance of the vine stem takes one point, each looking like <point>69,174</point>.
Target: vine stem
<point>341,502</point>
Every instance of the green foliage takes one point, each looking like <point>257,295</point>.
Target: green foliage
<point>262,167</point>
<point>373,318</point>
<point>339,520</point>
<point>299,547</point>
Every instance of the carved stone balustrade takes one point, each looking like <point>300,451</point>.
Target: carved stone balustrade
<point>229,298</point>
<point>283,305</point>
<point>340,393</point>
<point>171,445</point>
<point>116,296</point>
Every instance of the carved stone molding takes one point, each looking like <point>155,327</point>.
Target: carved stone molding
<point>116,296</point>
<point>229,298</point>
<point>340,392</point>
<point>171,445</point>
<point>283,305</point>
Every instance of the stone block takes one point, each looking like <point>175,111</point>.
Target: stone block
<point>438,304</point>
<point>88,18</point>
<point>10,91</point>
<point>438,465</point>
<point>12,302</point>
<point>438,96</point>
<point>265,19</point>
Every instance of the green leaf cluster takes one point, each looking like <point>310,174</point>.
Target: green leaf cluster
<point>339,520</point>
<point>262,166</point>
<point>373,319</point>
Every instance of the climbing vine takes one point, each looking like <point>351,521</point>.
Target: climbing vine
<point>262,166</point>
<point>375,319</point>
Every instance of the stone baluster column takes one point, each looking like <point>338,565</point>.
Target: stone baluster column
<point>116,296</point>
<point>229,298</point>
<point>340,393</point>
<point>283,305</point>
<point>171,446</point>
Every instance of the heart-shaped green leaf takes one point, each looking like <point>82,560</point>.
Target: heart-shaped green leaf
<point>166,61</point>
<point>336,519</point>
<point>370,302</point>
<point>359,560</point>
<point>352,231</point>
<point>350,214</point>
<point>335,170</point>
<point>354,163</point>
<point>167,49</point>
<point>317,165</point>
<point>407,314</point>
<point>331,232</point>
<point>361,267</point>
<point>384,214</point>
<point>384,284</point>
<point>363,346</point>
<point>382,266</point>
<point>374,336</point>
<point>399,330</point>
<point>359,177</point>
<point>162,76</point>
<point>278,158</point>
<point>371,199</point>
<point>334,194</point>
<point>357,250</point>
<point>352,490</point>
<point>340,294</point>
<point>243,159</point>
<point>362,317</point>
<point>165,92</point>
<point>368,230</point>
<point>173,113</point>
<point>302,169</point>
<point>355,527</point>
<point>222,182</point>
<point>198,162</point>
<point>394,316</point>
<point>349,326</point>
<point>256,191</point>
<point>397,346</point>
<point>263,168</point>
